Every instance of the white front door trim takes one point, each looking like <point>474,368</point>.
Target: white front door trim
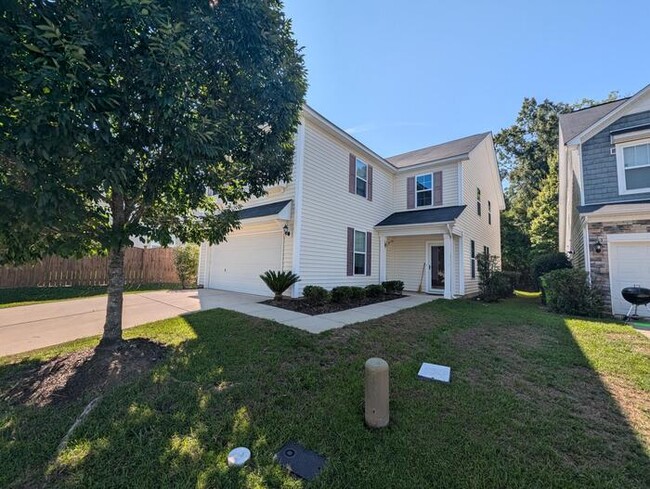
<point>429,269</point>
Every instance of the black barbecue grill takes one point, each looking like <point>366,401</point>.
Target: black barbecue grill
<point>637,296</point>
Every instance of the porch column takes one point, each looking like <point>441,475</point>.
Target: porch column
<point>449,265</point>
<point>382,258</point>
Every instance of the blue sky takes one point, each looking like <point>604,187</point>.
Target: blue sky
<point>409,74</point>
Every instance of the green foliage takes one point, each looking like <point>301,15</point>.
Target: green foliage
<point>494,285</point>
<point>116,116</point>
<point>375,290</point>
<point>186,261</point>
<point>568,292</point>
<point>544,214</point>
<point>393,286</point>
<point>345,294</point>
<point>134,108</point>
<point>315,295</point>
<point>527,154</point>
<point>279,282</point>
<point>548,262</point>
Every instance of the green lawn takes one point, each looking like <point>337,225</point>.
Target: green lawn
<point>25,296</point>
<point>536,401</point>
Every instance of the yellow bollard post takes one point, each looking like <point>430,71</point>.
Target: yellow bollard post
<point>376,393</point>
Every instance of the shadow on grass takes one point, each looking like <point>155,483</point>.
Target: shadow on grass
<point>533,403</point>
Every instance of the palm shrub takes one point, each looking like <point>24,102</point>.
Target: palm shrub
<point>278,282</point>
<point>186,261</point>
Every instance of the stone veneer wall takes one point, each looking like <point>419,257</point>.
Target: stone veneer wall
<point>599,261</point>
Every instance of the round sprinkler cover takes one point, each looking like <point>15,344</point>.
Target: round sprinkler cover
<point>239,456</point>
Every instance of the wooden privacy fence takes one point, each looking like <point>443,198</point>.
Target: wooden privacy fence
<point>141,266</point>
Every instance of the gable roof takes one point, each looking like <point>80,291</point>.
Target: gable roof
<point>451,149</point>
<point>576,122</point>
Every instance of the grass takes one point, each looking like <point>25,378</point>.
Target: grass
<point>25,296</point>
<point>527,295</point>
<point>536,400</point>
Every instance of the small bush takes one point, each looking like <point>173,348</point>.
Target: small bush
<point>375,290</point>
<point>493,284</point>
<point>547,263</point>
<point>341,294</point>
<point>568,292</point>
<point>315,295</point>
<point>357,293</point>
<point>186,261</point>
<point>345,294</point>
<point>393,286</point>
<point>278,282</point>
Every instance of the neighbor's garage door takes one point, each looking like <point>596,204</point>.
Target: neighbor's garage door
<point>629,264</point>
<point>237,264</point>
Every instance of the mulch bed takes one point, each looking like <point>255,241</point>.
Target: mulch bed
<point>95,370</point>
<point>301,305</point>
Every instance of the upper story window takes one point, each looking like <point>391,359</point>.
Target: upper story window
<point>361,180</point>
<point>360,251</point>
<point>424,190</point>
<point>489,212</point>
<point>478,201</point>
<point>633,160</point>
<point>472,251</point>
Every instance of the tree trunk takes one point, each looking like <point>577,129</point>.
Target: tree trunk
<point>113,325</point>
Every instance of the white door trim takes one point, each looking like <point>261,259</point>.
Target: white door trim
<point>427,254</point>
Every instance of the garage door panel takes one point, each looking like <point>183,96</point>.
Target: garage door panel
<point>629,266</point>
<point>237,263</point>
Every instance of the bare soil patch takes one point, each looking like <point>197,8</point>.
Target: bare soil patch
<point>301,305</point>
<point>72,376</point>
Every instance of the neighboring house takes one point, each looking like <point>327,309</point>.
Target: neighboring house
<point>605,194</point>
<point>351,217</point>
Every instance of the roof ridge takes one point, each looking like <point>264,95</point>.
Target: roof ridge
<point>596,105</point>
<point>484,134</point>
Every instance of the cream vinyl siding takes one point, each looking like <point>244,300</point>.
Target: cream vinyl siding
<point>405,258</point>
<point>477,173</point>
<point>329,209</point>
<point>256,232</point>
<point>449,185</point>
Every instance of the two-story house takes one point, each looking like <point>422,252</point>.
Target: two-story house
<point>604,165</point>
<point>351,217</point>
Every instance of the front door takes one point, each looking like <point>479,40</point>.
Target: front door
<point>437,269</point>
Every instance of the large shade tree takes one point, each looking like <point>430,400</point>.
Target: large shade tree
<point>116,115</point>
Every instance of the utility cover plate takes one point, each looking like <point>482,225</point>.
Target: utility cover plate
<point>431,371</point>
<point>300,461</point>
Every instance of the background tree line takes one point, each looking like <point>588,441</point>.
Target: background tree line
<point>528,162</point>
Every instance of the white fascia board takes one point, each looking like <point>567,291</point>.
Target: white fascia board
<point>628,212</point>
<point>414,229</point>
<point>452,159</point>
<point>600,124</point>
<point>344,136</point>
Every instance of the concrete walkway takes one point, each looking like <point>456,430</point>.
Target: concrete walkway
<point>27,328</point>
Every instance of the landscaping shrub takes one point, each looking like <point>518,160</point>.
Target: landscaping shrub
<point>186,261</point>
<point>278,282</point>
<point>493,284</point>
<point>341,294</point>
<point>568,292</point>
<point>357,293</point>
<point>393,286</point>
<point>347,294</point>
<point>547,263</point>
<point>315,295</point>
<point>375,290</point>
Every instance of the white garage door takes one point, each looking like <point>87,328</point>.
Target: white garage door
<point>629,265</point>
<point>237,264</point>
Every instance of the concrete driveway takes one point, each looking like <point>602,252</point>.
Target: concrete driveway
<point>26,328</point>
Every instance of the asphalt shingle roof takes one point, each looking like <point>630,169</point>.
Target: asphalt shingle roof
<point>425,216</point>
<point>262,210</point>
<point>574,123</point>
<point>442,151</point>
